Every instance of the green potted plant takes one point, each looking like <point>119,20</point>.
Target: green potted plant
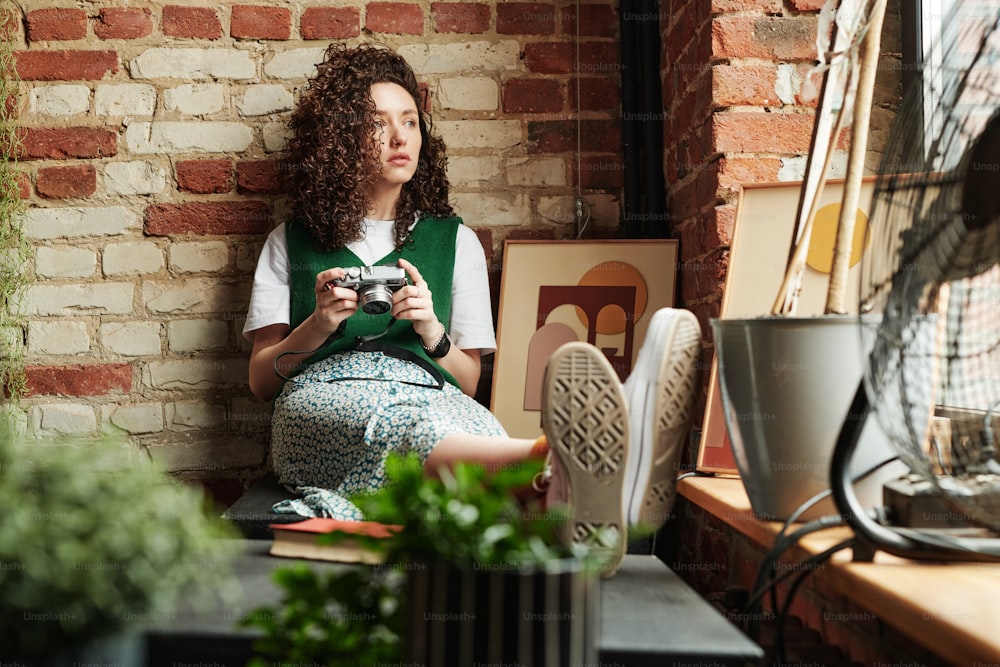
<point>475,575</point>
<point>93,545</point>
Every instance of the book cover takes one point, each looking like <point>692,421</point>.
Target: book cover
<point>302,540</point>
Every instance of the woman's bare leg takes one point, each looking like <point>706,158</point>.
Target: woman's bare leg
<point>490,451</point>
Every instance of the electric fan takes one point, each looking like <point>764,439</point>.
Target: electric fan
<point>930,281</point>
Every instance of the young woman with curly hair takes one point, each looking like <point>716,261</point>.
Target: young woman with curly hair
<point>367,186</point>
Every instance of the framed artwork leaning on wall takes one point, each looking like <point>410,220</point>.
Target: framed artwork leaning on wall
<point>600,291</point>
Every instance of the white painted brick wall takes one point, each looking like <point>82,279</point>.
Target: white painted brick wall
<point>64,262</point>
<point>195,373</point>
<point>469,170</point>
<point>76,299</point>
<point>249,415</point>
<point>482,210</point>
<point>469,93</point>
<point>462,56</point>
<point>264,99</point>
<point>294,63</point>
<point>479,134</point>
<point>136,418</point>
<point>190,137</point>
<point>134,178</point>
<point>195,414</point>
<point>195,99</point>
<point>196,295</point>
<point>125,99</point>
<point>197,335</point>
<point>70,222</point>
<point>58,337</point>
<point>54,419</point>
<point>197,256</point>
<point>132,258</point>
<point>193,64</point>
<point>275,136</point>
<point>107,291</point>
<point>132,339</point>
<point>209,458</point>
<point>536,171</point>
<point>59,100</point>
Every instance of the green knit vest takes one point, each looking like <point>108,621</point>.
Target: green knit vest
<point>431,249</point>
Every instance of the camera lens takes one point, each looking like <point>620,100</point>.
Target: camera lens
<point>375,299</point>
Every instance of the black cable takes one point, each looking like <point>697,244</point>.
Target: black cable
<point>808,567</point>
<point>784,542</point>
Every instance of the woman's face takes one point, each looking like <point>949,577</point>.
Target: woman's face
<point>399,135</point>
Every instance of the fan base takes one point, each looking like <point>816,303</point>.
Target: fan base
<point>914,502</point>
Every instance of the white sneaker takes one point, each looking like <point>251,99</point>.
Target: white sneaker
<point>660,393</point>
<point>585,420</point>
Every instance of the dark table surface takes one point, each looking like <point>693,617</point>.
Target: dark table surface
<point>648,616</point>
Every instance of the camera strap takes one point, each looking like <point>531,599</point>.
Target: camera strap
<point>371,344</point>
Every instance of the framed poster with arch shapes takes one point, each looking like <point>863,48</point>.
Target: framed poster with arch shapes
<point>600,291</point>
<point>762,240</point>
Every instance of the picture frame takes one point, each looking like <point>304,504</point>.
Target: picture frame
<point>761,244</point>
<point>602,291</point>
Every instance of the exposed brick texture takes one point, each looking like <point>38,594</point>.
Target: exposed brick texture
<point>550,57</point>
<point>257,22</point>
<point>768,37</point>
<point>526,18</point>
<point>600,171</point>
<point>532,96</point>
<point>217,217</point>
<point>461,17</point>
<point>744,85</point>
<point>595,20</point>
<point>258,177</point>
<point>758,6</point>
<point>191,22</point>
<point>595,93</point>
<point>55,143</point>
<point>558,136</point>
<point>79,380</point>
<point>204,176</point>
<point>764,132</point>
<point>56,24</point>
<point>65,65</point>
<point>398,18</point>
<point>330,23</point>
<point>123,23</point>
<point>149,139</point>
<point>67,182</point>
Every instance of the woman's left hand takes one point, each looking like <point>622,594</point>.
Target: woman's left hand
<point>416,303</point>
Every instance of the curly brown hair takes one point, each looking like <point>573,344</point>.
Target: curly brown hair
<point>332,162</point>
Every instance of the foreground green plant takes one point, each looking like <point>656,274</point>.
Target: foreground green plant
<point>94,542</point>
<point>467,518</point>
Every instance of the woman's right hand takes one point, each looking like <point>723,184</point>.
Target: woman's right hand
<point>333,304</point>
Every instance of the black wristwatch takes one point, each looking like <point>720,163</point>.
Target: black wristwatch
<point>440,348</point>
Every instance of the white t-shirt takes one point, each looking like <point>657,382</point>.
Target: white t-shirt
<point>471,325</point>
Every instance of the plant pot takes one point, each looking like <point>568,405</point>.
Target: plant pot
<point>787,385</point>
<point>502,615</point>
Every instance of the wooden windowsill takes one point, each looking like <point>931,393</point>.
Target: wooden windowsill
<point>951,609</point>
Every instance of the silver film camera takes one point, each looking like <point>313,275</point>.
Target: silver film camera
<point>374,285</point>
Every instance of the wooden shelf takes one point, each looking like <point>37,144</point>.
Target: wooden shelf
<point>951,609</point>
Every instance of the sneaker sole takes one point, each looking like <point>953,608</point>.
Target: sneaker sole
<point>585,420</point>
<point>673,402</point>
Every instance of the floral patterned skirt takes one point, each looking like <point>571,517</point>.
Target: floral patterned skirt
<point>333,433</point>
